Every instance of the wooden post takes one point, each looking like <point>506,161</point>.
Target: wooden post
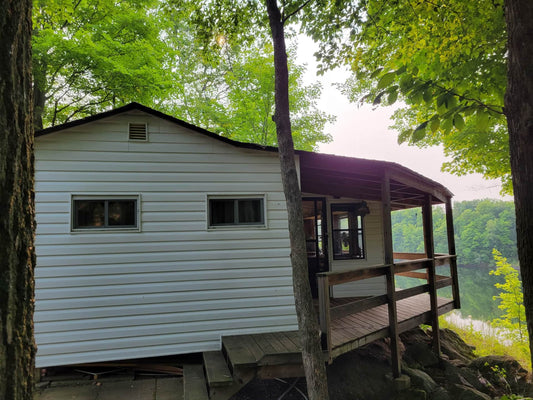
<point>452,252</point>
<point>391,285</point>
<point>324,312</point>
<point>427,214</point>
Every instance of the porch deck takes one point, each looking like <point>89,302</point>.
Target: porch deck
<point>347,333</point>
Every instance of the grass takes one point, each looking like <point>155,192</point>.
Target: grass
<point>489,341</point>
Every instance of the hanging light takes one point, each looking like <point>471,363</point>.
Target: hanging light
<point>362,209</point>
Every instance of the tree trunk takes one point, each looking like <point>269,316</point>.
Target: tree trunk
<point>17,257</point>
<point>313,360</point>
<point>519,112</point>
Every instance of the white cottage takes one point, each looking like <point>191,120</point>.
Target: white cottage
<point>156,237</point>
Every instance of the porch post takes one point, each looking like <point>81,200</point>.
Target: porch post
<point>391,286</point>
<point>451,251</point>
<point>427,214</point>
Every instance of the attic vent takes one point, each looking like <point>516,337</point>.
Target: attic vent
<point>137,131</point>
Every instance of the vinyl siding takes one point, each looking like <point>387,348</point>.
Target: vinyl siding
<point>175,286</point>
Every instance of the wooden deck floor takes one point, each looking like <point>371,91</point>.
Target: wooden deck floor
<point>348,333</point>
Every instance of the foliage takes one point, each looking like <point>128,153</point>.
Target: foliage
<point>90,56</point>
<point>446,61</point>
<point>480,225</point>
<point>486,344</point>
<point>511,299</point>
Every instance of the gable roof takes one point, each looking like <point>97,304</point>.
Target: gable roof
<point>320,173</point>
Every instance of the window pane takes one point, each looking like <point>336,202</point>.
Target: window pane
<point>89,213</point>
<point>347,229</point>
<point>121,213</point>
<point>222,211</point>
<point>250,211</point>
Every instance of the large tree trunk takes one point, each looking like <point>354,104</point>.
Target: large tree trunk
<point>519,112</point>
<point>313,360</point>
<point>17,257</point>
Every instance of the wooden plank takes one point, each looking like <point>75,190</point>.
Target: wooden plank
<point>389,272</point>
<point>324,311</point>
<point>417,275</point>
<point>408,256</point>
<point>451,251</point>
<point>238,354</point>
<point>336,278</point>
<point>443,282</point>
<point>357,306</point>
<point>405,293</point>
<point>194,384</point>
<point>216,369</point>
<point>427,220</point>
<point>406,266</point>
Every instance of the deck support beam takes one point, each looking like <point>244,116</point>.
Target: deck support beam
<point>451,251</point>
<point>391,285</point>
<point>427,215</point>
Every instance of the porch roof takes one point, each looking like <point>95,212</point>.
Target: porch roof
<point>359,178</point>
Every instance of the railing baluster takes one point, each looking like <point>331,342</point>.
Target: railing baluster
<point>324,312</point>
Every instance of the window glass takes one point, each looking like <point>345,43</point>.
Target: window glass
<point>222,211</point>
<point>239,211</point>
<point>347,229</point>
<point>250,211</point>
<point>89,213</point>
<point>121,213</point>
<point>104,213</point>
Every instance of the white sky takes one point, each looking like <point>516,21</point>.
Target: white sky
<point>362,131</point>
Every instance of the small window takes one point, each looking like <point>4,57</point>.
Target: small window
<point>99,213</point>
<point>347,229</point>
<point>236,211</point>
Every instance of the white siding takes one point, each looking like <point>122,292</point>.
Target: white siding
<point>174,287</point>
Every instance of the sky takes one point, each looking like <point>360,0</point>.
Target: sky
<point>363,131</point>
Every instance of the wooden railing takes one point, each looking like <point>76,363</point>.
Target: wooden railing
<point>408,268</point>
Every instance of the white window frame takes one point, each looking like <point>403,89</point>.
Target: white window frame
<point>104,197</point>
<point>250,196</point>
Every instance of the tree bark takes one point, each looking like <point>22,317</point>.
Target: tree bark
<point>17,257</point>
<point>519,112</point>
<point>313,360</point>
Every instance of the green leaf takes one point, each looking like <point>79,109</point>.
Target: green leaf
<point>404,136</point>
<point>386,80</point>
<point>482,121</point>
<point>393,96</point>
<point>375,74</point>
<point>458,121</point>
<point>434,125</point>
<point>428,95</point>
<point>419,133</point>
<point>447,125</point>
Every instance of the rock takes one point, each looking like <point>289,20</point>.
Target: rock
<point>504,373</point>
<point>421,380</point>
<point>469,393</point>
<point>420,354</point>
<point>454,347</point>
<point>440,394</point>
<point>412,394</point>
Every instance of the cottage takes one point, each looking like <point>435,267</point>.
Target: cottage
<point>156,237</point>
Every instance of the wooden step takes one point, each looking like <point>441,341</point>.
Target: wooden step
<point>216,369</point>
<point>241,353</point>
<point>194,384</point>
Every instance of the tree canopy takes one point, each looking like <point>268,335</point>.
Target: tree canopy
<point>93,55</point>
<point>446,62</point>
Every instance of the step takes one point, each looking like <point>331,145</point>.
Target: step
<point>240,353</point>
<point>216,369</point>
<point>194,384</point>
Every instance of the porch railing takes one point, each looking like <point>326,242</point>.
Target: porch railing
<point>409,268</point>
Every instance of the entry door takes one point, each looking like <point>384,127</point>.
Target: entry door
<point>315,225</point>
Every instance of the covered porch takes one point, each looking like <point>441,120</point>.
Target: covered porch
<point>348,323</point>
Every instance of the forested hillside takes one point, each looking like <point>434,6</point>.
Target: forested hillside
<point>480,226</point>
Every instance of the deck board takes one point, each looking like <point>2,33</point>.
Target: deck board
<point>347,333</point>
